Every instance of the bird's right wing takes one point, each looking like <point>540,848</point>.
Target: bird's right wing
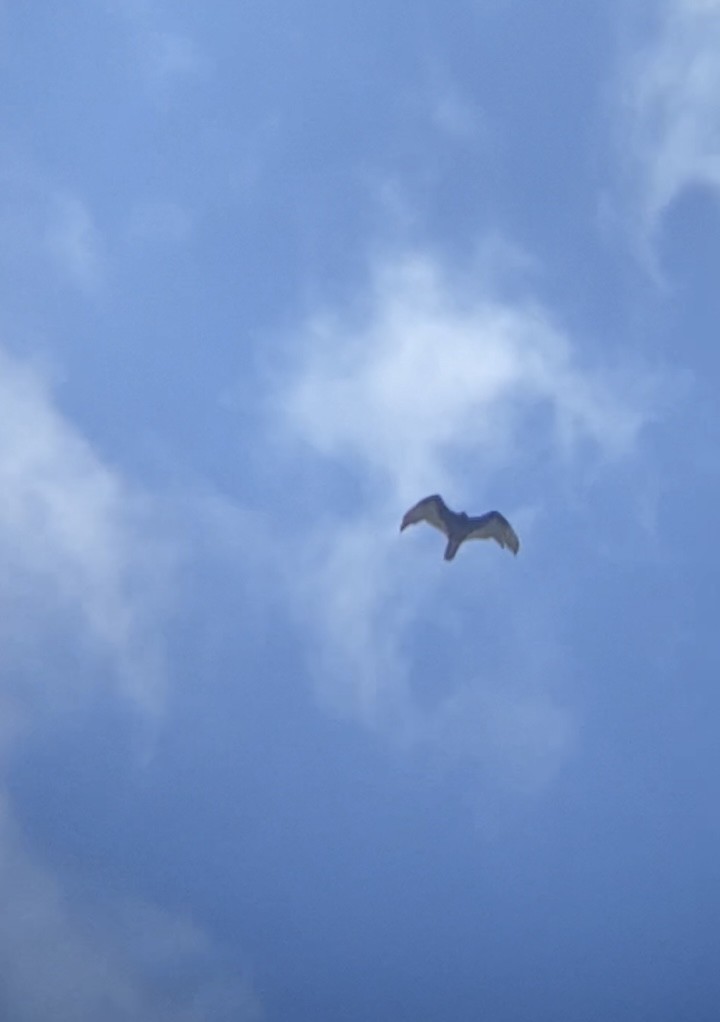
<point>495,526</point>
<point>432,510</point>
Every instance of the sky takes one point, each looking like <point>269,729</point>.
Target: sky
<point>270,273</point>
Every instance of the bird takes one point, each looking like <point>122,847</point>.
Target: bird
<point>459,526</point>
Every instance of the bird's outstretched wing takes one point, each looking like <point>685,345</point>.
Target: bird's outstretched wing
<point>432,510</point>
<point>495,526</point>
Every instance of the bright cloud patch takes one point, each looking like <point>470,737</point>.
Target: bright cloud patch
<point>431,387</point>
<point>672,97</point>
<point>74,552</point>
<point>433,372</point>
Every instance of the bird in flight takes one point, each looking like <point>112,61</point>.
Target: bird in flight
<point>458,526</point>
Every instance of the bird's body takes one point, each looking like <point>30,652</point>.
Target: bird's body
<point>458,526</point>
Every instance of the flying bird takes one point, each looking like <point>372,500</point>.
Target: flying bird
<point>458,526</point>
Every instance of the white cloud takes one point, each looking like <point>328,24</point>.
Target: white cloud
<point>435,372</point>
<point>75,550</point>
<point>83,588</point>
<point>670,90</point>
<point>439,385</point>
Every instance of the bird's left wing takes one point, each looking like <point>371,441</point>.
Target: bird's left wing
<point>495,526</point>
<point>432,510</point>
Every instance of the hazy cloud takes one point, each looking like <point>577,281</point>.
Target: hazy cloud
<point>122,961</point>
<point>429,384</point>
<point>49,230</point>
<point>670,95</point>
<point>165,54</point>
<point>432,371</point>
<point>73,242</point>
<point>84,582</point>
<point>75,545</point>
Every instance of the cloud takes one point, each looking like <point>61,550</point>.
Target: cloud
<point>49,230</point>
<point>121,961</point>
<point>84,585</point>
<point>165,55</point>
<point>435,382</point>
<point>453,111</point>
<point>455,118</point>
<point>670,96</point>
<point>75,545</point>
<point>434,372</point>
<point>73,241</point>
<point>170,55</point>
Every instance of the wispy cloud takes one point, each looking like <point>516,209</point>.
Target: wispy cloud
<point>164,54</point>
<point>670,96</point>
<point>170,55</point>
<point>73,542</point>
<point>84,585</point>
<point>434,371</point>
<point>73,241</point>
<point>49,230</point>
<point>433,383</point>
<point>121,961</point>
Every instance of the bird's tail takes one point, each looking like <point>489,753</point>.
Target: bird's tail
<point>452,548</point>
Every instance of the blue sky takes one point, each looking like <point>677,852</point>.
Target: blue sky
<point>270,273</point>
